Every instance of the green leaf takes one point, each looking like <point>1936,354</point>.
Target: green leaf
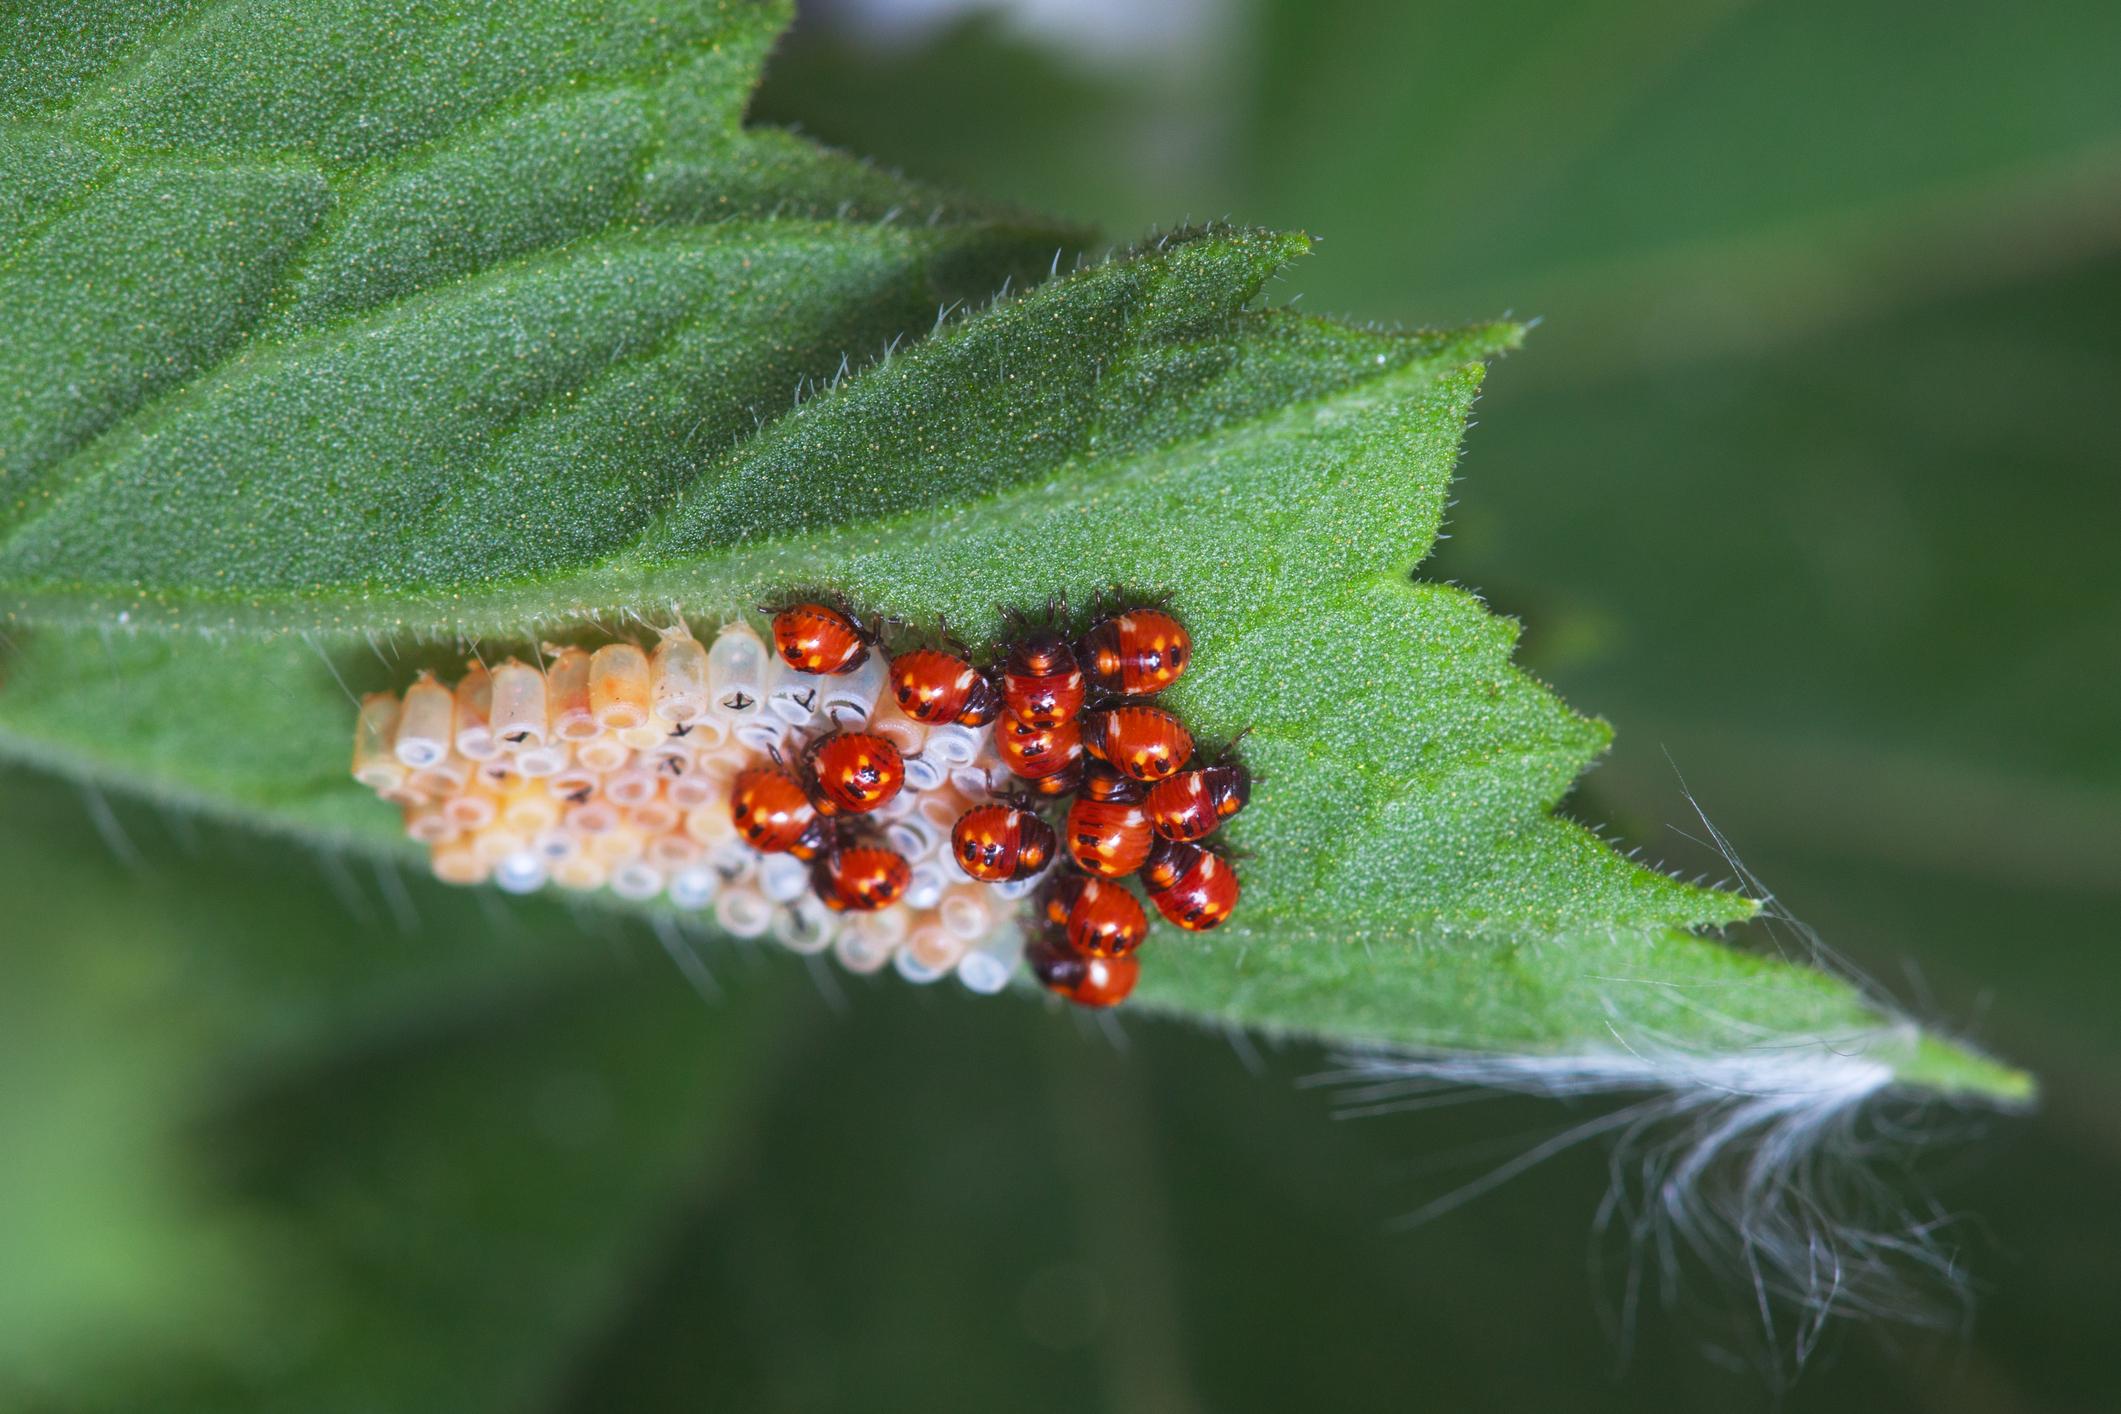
<point>436,386</point>
<point>398,261</point>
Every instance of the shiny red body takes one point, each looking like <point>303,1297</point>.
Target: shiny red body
<point>853,773</point>
<point>1136,653</point>
<point>932,686</point>
<point>1193,804</point>
<point>1108,830</point>
<point>1042,685</point>
<point>994,843</point>
<point>1144,742</point>
<point>862,878</point>
<point>1102,918</point>
<point>770,807</point>
<point>1086,981</point>
<point>817,638</point>
<point>1039,753</point>
<point>1191,886</point>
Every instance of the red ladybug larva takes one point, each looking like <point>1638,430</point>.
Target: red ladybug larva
<point>770,807</point>
<point>933,686</point>
<point>1192,804</point>
<point>1144,742</point>
<point>1050,758</point>
<point>853,773</point>
<point>1108,830</point>
<point>1193,887</point>
<point>1086,981</point>
<point>1042,685</point>
<point>996,843</point>
<point>1102,918</point>
<point>817,638</point>
<point>862,878</point>
<point>1136,653</point>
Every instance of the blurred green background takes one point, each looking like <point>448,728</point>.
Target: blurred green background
<point>1806,481</point>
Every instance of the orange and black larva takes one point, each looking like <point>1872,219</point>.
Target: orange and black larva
<point>902,811</point>
<point>1042,685</point>
<point>1138,739</point>
<point>999,843</point>
<point>1099,917</point>
<point>1193,804</point>
<point>770,808</point>
<point>1048,758</point>
<point>932,686</point>
<point>862,877</point>
<point>818,638</point>
<point>1134,654</point>
<point>1108,828</point>
<point>1190,885</point>
<point>1081,978</point>
<point>853,773</point>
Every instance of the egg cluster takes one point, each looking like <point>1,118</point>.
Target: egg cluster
<point>615,769</point>
<point>891,809</point>
<point>1077,726</point>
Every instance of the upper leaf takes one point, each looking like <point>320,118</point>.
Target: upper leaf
<point>387,259</point>
<point>475,333</point>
